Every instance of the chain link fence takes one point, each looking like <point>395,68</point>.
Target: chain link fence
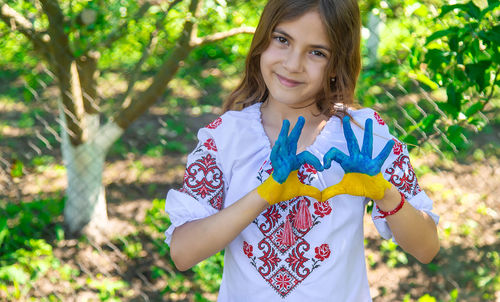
<point>31,163</point>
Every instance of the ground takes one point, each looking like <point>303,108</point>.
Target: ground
<point>134,260</point>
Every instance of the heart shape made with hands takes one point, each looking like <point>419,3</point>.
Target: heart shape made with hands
<point>362,172</point>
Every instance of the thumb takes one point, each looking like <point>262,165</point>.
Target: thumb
<point>306,190</point>
<point>333,191</point>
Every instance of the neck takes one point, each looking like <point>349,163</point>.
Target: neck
<point>273,114</point>
<point>279,111</point>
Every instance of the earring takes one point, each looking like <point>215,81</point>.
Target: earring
<point>333,80</point>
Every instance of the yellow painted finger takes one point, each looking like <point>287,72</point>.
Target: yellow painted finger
<point>358,184</point>
<point>305,190</point>
<point>274,192</point>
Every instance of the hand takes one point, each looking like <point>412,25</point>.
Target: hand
<point>362,173</point>
<point>283,184</point>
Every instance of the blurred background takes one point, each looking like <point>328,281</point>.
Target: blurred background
<point>100,102</point>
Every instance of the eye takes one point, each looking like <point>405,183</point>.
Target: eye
<point>281,39</point>
<point>318,53</point>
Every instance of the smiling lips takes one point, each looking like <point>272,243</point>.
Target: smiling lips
<point>287,82</point>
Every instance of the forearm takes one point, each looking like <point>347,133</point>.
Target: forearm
<point>197,240</point>
<point>414,230</point>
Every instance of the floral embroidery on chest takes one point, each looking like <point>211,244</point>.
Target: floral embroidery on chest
<point>281,265</point>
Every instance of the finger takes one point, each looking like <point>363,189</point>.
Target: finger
<point>293,138</point>
<point>382,156</point>
<point>285,127</point>
<point>297,129</point>
<point>278,148</point>
<point>332,191</point>
<point>306,190</point>
<point>275,152</point>
<point>352,142</point>
<point>307,157</point>
<point>334,154</point>
<point>368,138</point>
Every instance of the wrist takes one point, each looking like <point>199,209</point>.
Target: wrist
<point>391,199</point>
<point>383,213</point>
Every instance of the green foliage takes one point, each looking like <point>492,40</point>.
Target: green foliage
<point>24,255</point>
<point>393,256</point>
<point>462,59</point>
<point>209,273</point>
<point>451,51</point>
<point>108,288</point>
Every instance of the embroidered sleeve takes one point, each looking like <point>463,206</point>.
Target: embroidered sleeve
<point>399,171</point>
<point>203,188</point>
<point>203,179</point>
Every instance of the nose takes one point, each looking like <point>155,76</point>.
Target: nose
<point>293,61</point>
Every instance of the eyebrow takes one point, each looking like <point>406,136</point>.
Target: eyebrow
<point>313,45</point>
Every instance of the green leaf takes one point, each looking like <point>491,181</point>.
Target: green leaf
<point>447,8</point>
<point>477,72</point>
<point>453,43</point>
<point>428,123</point>
<point>4,230</point>
<point>492,35</point>
<point>16,169</point>
<point>427,298</point>
<point>452,31</point>
<point>435,58</point>
<point>410,140</point>
<point>492,5</point>
<point>454,98</point>
<point>14,273</point>
<point>424,79</point>
<point>476,107</point>
<point>473,10</point>
<point>454,135</point>
<point>447,108</point>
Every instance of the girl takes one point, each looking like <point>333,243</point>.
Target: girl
<point>291,226</point>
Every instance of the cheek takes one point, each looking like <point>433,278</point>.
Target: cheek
<point>317,70</point>
<point>270,55</point>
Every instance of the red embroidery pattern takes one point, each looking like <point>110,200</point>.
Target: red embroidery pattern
<point>203,181</point>
<point>283,282</point>
<point>283,266</point>
<point>398,147</point>
<point>307,171</point>
<point>402,175</point>
<point>380,121</point>
<point>247,249</point>
<point>214,124</point>
<point>322,252</point>
<point>322,208</point>
<point>210,144</point>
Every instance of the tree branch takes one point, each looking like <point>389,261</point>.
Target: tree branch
<point>121,30</point>
<point>195,41</point>
<point>131,111</point>
<point>16,21</point>
<point>65,71</point>
<point>134,73</point>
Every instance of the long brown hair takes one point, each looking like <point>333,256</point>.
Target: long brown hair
<point>343,25</point>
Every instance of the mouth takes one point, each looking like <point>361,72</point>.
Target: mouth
<point>287,82</point>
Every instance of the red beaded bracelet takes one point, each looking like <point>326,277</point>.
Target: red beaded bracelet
<point>385,214</point>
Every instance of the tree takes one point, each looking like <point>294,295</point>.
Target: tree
<point>69,37</point>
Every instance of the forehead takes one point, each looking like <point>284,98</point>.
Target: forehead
<point>308,27</point>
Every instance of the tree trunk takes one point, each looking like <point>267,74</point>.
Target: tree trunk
<point>85,208</point>
<point>373,41</point>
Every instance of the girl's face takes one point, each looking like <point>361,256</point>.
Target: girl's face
<point>293,65</point>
